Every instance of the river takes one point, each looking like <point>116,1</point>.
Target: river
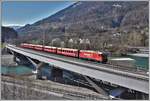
<point>141,62</point>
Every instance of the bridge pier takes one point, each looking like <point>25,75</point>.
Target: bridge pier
<point>145,97</point>
<point>38,69</point>
<point>14,56</point>
<point>56,74</point>
<point>140,95</point>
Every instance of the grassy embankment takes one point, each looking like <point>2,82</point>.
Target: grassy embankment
<point>2,45</point>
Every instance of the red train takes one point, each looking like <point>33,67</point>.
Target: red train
<point>84,54</point>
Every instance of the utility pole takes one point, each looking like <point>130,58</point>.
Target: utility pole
<point>44,32</point>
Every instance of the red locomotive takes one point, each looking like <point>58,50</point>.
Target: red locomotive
<point>83,54</point>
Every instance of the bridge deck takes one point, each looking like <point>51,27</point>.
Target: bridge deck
<point>129,79</point>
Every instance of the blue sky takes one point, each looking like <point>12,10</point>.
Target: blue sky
<point>28,12</point>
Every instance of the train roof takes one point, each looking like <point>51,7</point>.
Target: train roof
<point>31,44</point>
<point>68,49</point>
<point>91,51</point>
<point>24,43</point>
<point>37,45</point>
<point>50,47</point>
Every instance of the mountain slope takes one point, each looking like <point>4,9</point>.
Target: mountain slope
<point>92,19</point>
<point>8,34</point>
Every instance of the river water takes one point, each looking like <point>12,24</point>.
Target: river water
<point>18,70</point>
<point>141,62</point>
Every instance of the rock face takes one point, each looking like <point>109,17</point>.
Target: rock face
<point>8,34</point>
<point>95,19</point>
<point>44,90</point>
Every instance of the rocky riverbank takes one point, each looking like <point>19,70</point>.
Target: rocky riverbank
<point>23,88</point>
<point>8,60</point>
